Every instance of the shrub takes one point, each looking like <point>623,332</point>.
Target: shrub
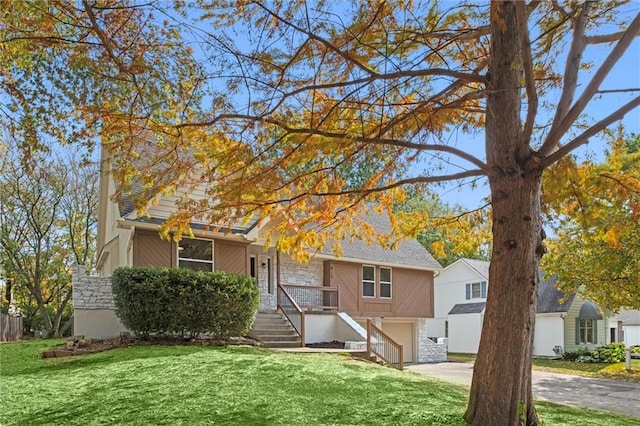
<point>581,353</point>
<point>163,301</point>
<point>611,353</point>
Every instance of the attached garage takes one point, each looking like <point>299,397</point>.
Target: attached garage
<point>465,326</point>
<point>403,333</point>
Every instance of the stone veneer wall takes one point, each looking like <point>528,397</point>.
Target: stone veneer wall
<point>268,301</point>
<point>295,273</point>
<point>428,350</point>
<point>94,314</point>
<point>91,292</point>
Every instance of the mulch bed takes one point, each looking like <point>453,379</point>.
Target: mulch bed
<point>78,345</point>
<point>334,344</point>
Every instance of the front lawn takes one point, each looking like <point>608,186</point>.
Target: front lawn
<point>153,385</point>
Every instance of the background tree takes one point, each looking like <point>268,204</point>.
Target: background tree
<point>597,208</point>
<point>47,223</point>
<point>453,233</point>
<point>271,123</point>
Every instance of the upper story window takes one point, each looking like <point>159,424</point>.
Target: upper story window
<point>372,277</point>
<point>368,281</point>
<point>476,290</point>
<point>385,283</point>
<point>195,254</point>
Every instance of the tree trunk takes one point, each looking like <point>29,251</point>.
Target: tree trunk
<point>501,387</point>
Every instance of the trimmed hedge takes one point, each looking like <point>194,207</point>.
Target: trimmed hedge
<point>173,301</point>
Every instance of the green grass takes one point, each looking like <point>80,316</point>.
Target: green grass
<point>174,385</point>
<point>616,371</point>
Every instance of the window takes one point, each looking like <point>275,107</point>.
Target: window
<point>368,281</point>
<point>269,277</point>
<point>385,283</point>
<point>587,331</point>
<point>476,290</point>
<point>446,329</point>
<point>253,267</point>
<point>195,254</point>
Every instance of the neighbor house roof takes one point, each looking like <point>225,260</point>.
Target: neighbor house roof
<point>549,297</point>
<point>409,252</point>
<point>629,317</point>
<point>480,266</point>
<point>467,308</point>
<point>549,300</point>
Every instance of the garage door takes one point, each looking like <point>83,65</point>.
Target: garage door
<point>401,332</point>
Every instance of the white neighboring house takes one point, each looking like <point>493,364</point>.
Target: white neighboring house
<point>629,321</point>
<point>563,322</point>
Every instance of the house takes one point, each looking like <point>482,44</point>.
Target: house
<point>393,288</point>
<point>625,327</point>
<point>563,322</point>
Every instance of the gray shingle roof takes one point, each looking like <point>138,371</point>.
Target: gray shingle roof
<point>480,266</point>
<point>125,206</point>
<point>548,301</point>
<point>409,252</point>
<point>629,317</point>
<point>549,297</point>
<point>467,308</point>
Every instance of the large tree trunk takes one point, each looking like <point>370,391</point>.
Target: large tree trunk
<point>501,387</point>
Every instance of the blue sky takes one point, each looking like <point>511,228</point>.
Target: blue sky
<point>625,75</point>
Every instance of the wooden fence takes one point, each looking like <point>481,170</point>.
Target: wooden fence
<point>10,328</point>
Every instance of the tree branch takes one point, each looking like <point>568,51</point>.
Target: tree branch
<point>623,44</point>
<point>593,130</point>
<point>604,38</point>
<point>570,79</point>
<point>317,38</point>
<point>530,81</point>
<point>619,182</point>
<point>476,78</point>
<point>409,181</point>
<point>334,135</point>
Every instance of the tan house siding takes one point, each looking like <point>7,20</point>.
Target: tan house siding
<point>412,291</point>
<point>150,250</point>
<point>346,277</point>
<point>166,205</point>
<point>230,257</point>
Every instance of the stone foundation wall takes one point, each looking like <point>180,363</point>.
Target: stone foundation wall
<point>428,350</point>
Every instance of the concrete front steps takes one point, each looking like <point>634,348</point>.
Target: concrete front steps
<point>273,330</point>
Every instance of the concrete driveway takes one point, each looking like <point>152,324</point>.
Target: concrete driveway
<point>601,394</point>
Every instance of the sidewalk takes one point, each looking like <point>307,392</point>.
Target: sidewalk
<point>601,394</point>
